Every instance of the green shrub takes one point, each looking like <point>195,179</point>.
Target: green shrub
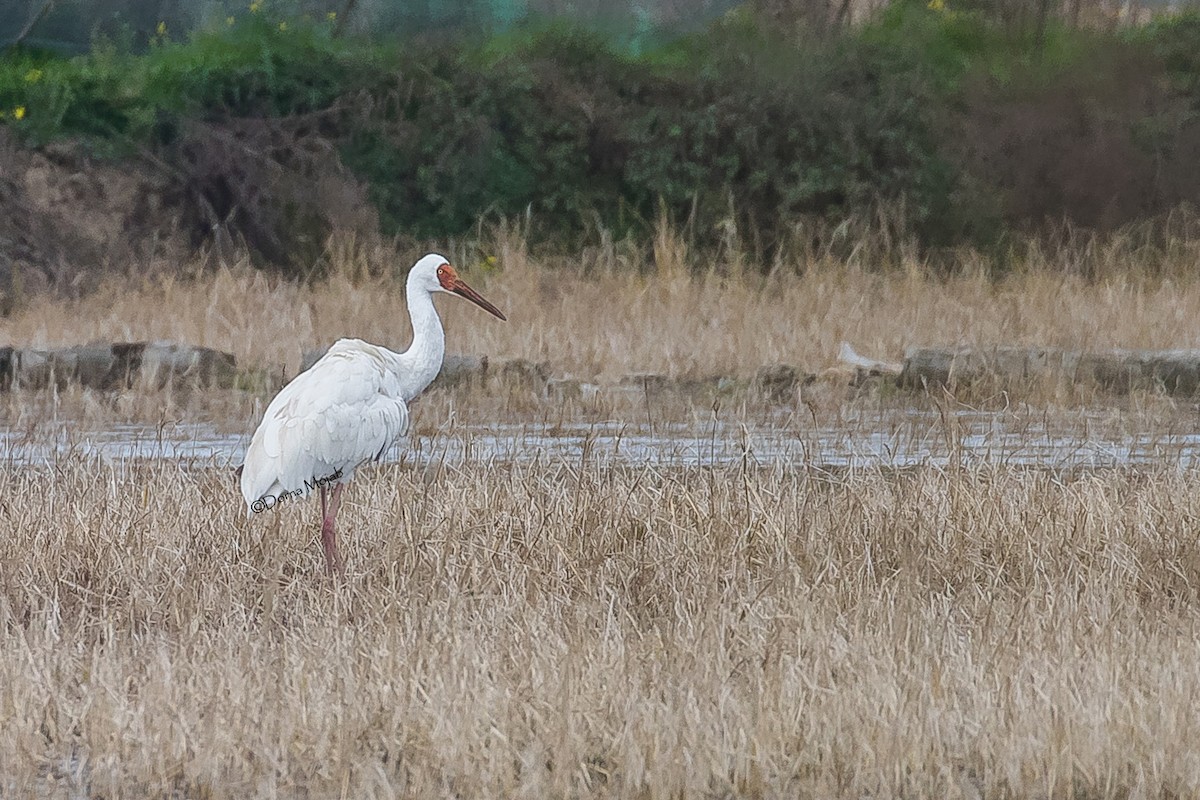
<point>971,127</point>
<point>564,126</point>
<point>1176,41</point>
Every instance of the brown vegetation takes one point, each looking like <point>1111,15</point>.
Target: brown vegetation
<point>567,627</point>
<point>609,313</point>
<point>562,629</point>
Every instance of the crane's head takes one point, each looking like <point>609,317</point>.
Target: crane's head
<point>433,273</point>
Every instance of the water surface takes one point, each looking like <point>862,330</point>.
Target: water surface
<point>895,439</point>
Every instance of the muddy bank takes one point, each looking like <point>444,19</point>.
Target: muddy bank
<point>220,191</point>
<point>156,365</point>
<point>1174,372</point>
<point>121,365</point>
<point>68,219</point>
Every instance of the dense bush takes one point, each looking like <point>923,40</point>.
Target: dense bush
<point>731,128</point>
<point>268,127</point>
<point>1097,129</point>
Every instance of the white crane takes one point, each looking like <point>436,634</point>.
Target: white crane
<point>349,407</point>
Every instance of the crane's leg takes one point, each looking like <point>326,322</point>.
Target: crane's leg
<point>333,562</point>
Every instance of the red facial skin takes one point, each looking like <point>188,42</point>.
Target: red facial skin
<point>450,281</point>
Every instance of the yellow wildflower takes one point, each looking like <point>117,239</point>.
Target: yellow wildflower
<point>33,76</point>
<point>255,6</point>
<point>229,21</point>
<point>19,112</point>
<point>161,30</point>
<point>331,16</point>
<point>283,26</point>
<point>937,5</point>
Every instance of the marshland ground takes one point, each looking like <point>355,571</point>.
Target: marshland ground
<point>584,627</point>
<point>573,623</point>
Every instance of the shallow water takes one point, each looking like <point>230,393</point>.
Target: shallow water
<point>895,439</point>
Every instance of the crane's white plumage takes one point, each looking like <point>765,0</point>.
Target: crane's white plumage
<point>351,405</point>
<point>345,410</point>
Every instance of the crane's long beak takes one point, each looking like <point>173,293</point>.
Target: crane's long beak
<point>460,288</point>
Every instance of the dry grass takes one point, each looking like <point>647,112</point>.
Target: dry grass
<point>601,318</point>
<point>576,630</point>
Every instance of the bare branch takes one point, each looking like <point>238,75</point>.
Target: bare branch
<point>344,17</point>
<point>29,26</point>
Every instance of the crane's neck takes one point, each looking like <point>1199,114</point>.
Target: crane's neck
<point>420,363</point>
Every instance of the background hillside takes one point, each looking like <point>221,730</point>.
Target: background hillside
<point>139,130</point>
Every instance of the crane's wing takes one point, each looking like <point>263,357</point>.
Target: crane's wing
<point>344,410</point>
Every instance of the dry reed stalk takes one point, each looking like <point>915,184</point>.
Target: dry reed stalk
<point>580,630</point>
<point>614,312</point>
